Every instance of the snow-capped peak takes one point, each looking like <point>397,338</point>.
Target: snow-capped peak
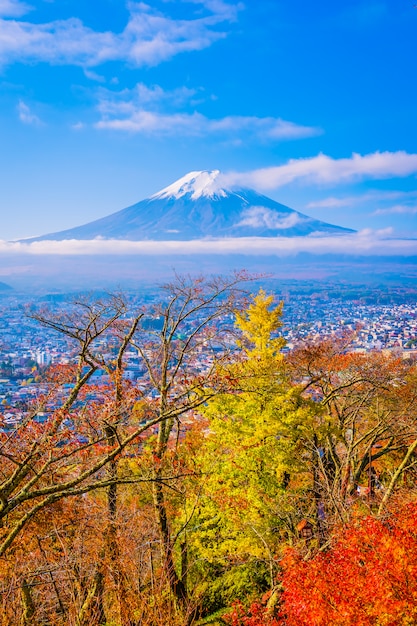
<point>197,184</point>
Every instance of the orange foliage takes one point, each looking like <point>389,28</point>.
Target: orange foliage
<point>256,615</point>
<point>367,578</point>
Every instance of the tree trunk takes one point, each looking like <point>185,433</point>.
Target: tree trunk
<point>318,492</point>
<point>92,610</point>
<point>112,547</point>
<point>402,467</point>
<point>175,582</point>
<point>27,604</point>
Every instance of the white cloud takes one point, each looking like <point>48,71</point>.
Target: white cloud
<point>149,37</point>
<point>125,111</point>
<point>126,103</point>
<point>398,209</point>
<point>152,37</point>
<point>94,76</point>
<point>13,8</point>
<point>26,116</point>
<point>220,8</point>
<point>366,242</point>
<point>151,110</point>
<point>58,42</point>
<point>148,122</point>
<point>267,127</point>
<point>262,217</point>
<point>371,196</point>
<point>332,203</point>
<point>155,94</point>
<point>323,169</point>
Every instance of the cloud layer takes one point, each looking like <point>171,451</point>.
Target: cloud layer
<point>366,242</point>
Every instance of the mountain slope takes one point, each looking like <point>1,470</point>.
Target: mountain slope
<point>196,207</point>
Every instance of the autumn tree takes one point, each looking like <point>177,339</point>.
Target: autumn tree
<point>367,577</point>
<point>366,429</point>
<point>251,485</point>
<point>182,359</point>
<point>79,434</point>
<point>162,499</point>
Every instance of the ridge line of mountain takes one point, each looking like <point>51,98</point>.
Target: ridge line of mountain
<point>195,207</point>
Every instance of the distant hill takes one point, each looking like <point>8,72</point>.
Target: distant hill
<point>196,207</point>
<point>5,287</point>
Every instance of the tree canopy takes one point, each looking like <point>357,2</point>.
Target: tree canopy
<point>231,483</point>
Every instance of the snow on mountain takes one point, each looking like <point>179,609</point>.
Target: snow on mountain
<point>197,207</point>
<point>197,184</point>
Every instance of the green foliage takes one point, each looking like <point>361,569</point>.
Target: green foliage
<point>243,581</point>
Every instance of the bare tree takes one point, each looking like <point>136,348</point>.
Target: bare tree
<point>74,439</point>
<point>182,360</point>
<point>366,424</point>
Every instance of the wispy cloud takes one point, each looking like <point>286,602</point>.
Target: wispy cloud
<point>333,202</point>
<point>220,8</point>
<point>149,37</point>
<point>13,8</point>
<point>267,127</point>
<point>126,103</point>
<point>325,170</point>
<point>398,209</point>
<point>58,43</point>
<point>149,122</point>
<point>366,242</point>
<point>195,124</point>
<point>262,217</point>
<point>26,116</point>
<point>153,110</point>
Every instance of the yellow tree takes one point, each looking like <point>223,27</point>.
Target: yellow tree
<point>252,475</point>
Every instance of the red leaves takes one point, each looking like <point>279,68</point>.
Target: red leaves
<point>367,578</point>
<point>256,615</point>
<point>60,374</point>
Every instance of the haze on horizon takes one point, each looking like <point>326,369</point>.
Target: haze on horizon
<point>105,103</point>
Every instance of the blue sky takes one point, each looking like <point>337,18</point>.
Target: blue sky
<point>104,102</point>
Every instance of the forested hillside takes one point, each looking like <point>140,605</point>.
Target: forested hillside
<point>231,483</point>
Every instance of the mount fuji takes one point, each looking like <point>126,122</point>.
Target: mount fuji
<point>197,206</point>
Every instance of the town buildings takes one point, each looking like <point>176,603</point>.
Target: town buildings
<point>27,348</point>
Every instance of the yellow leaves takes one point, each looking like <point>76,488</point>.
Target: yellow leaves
<point>250,451</point>
<point>139,411</point>
<point>259,323</point>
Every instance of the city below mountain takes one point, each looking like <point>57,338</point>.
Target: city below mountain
<point>198,207</point>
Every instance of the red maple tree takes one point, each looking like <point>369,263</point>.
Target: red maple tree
<point>367,577</point>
